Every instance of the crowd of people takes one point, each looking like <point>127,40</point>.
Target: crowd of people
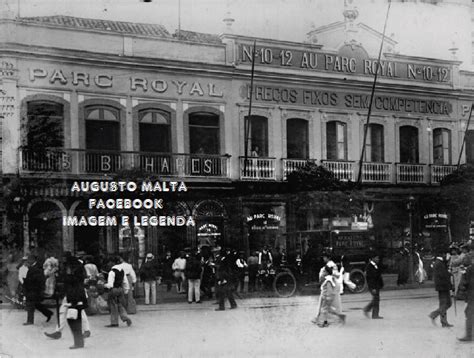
<point>82,286</point>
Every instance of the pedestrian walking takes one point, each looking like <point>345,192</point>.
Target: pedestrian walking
<point>118,287</point>
<point>34,290</point>
<point>466,292</point>
<point>61,293</point>
<point>148,275</point>
<point>442,281</point>
<point>224,287</point>
<point>131,277</point>
<point>344,276</point>
<point>76,299</point>
<point>329,299</point>
<point>373,274</point>
<point>458,263</point>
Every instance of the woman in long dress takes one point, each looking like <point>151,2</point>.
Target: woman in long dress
<point>330,298</point>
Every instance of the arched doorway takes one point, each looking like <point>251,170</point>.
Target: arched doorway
<point>210,217</point>
<point>45,228</point>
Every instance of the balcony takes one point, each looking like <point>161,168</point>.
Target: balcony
<point>257,168</point>
<point>410,173</point>
<point>343,170</point>
<point>438,172</point>
<point>77,161</point>
<point>290,165</point>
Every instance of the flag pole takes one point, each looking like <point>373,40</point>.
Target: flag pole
<point>465,134</point>
<point>247,119</point>
<point>359,176</point>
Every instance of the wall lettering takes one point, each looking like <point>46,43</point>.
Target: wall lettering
<point>136,84</point>
<point>325,62</point>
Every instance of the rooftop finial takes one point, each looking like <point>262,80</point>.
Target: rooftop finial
<point>350,14</point>
<point>228,20</point>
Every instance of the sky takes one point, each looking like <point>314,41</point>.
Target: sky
<point>416,27</point>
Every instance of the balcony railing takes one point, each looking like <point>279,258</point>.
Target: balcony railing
<point>376,172</point>
<point>79,161</point>
<point>410,173</point>
<point>343,170</point>
<point>290,165</point>
<point>257,168</point>
<point>438,172</point>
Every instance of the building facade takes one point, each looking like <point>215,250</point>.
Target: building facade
<point>87,100</point>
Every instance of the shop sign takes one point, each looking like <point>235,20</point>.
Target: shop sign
<point>263,221</point>
<point>348,241</point>
<point>208,230</point>
<point>318,97</point>
<point>436,221</point>
<point>141,84</point>
<point>341,223</point>
<point>359,225</point>
<point>310,60</point>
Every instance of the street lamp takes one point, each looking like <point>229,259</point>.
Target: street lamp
<point>411,209</point>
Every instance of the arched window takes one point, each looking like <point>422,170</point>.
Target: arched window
<point>155,131</point>
<point>336,140</point>
<point>45,126</point>
<point>374,145</point>
<point>297,138</point>
<point>441,146</point>
<point>409,144</point>
<point>102,128</point>
<point>204,133</point>
<point>258,136</point>
<point>102,139</point>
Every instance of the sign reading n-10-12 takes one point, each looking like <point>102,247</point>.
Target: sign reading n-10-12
<point>330,62</point>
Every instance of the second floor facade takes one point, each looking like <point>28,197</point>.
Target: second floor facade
<point>89,116</point>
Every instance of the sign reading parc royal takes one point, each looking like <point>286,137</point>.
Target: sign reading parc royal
<point>329,62</point>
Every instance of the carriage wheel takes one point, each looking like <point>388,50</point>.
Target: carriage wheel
<point>284,284</point>
<point>357,276</point>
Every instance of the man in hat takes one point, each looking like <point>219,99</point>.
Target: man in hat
<point>375,283</point>
<point>442,281</point>
<point>148,275</point>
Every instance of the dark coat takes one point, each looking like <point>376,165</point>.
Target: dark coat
<point>149,270</point>
<point>441,276</point>
<point>167,268</point>
<point>374,277</point>
<point>193,268</point>
<point>75,275</point>
<point>34,283</point>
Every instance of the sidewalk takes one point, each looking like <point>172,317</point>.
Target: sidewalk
<point>311,289</point>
